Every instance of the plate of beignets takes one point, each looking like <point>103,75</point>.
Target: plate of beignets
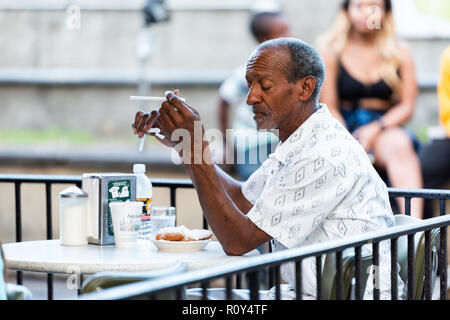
<point>181,239</point>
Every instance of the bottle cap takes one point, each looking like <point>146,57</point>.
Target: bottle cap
<point>139,168</point>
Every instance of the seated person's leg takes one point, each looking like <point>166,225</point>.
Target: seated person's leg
<point>394,152</point>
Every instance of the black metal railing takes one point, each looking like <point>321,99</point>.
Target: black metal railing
<point>174,184</point>
<point>252,266</point>
<point>49,181</point>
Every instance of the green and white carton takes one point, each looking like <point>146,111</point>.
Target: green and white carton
<point>103,188</point>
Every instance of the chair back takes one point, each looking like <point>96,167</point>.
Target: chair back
<point>329,274</point>
<point>104,280</point>
<point>419,255</point>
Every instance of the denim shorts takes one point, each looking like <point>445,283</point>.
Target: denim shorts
<point>359,117</point>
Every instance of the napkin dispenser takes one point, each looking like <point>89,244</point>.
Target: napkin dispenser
<point>103,188</point>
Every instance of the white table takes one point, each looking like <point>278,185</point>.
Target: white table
<point>50,256</point>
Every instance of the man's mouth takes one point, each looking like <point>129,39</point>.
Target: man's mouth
<point>258,111</point>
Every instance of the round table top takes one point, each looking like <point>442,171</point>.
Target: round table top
<point>51,257</point>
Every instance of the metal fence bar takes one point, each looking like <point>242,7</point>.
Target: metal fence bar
<point>253,280</point>
<point>298,279</point>
<point>442,203</point>
<point>394,273</point>
<point>18,206</point>
<point>205,285</point>
<point>277,282</point>
<point>376,273</point>
<point>229,284</point>
<point>411,257</point>
<point>238,281</point>
<point>358,287</point>
<point>180,294</point>
<point>319,276</point>
<point>339,275</point>
<point>408,206</point>
<point>443,262</point>
<point>427,284</point>
<point>48,204</point>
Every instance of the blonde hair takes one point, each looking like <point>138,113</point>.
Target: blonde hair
<point>386,42</point>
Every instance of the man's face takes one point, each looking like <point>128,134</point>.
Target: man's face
<point>273,98</point>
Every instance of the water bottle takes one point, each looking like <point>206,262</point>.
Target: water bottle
<point>143,194</point>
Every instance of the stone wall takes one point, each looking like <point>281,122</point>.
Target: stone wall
<point>204,43</point>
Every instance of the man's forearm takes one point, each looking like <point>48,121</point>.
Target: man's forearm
<point>233,188</point>
<point>219,209</point>
<point>224,206</point>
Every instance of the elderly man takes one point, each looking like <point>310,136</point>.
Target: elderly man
<point>318,185</point>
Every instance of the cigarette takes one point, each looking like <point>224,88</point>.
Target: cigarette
<point>155,99</point>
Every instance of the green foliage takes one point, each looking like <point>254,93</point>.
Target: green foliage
<point>33,136</point>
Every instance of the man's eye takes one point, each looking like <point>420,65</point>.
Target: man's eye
<point>266,87</point>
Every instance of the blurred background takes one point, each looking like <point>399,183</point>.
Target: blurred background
<point>67,69</point>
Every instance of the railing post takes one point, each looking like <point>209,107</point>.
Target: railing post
<point>48,203</point>
<point>411,256</point>
<point>358,287</point>
<point>229,289</point>
<point>205,285</point>
<point>394,272</point>
<point>442,207</point>
<point>277,282</point>
<point>339,275</point>
<point>443,262</point>
<point>408,206</point>
<point>319,277</point>
<point>18,205</point>
<point>298,280</point>
<point>253,279</point>
<point>376,271</point>
<point>427,284</point>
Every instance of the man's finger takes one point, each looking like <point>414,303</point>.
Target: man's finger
<point>137,120</point>
<point>150,121</point>
<point>176,102</point>
<point>171,112</point>
<point>167,120</point>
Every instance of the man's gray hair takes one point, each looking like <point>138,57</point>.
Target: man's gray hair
<point>305,61</point>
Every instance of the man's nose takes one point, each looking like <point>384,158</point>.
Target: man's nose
<point>253,97</point>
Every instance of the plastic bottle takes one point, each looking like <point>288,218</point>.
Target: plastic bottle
<point>144,194</point>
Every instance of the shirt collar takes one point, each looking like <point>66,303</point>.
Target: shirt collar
<point>286,150</point>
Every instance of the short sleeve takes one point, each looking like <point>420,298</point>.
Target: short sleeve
<point>297,202</point>
<point>234,89</point>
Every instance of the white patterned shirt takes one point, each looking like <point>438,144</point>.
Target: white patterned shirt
<point>319,185</point>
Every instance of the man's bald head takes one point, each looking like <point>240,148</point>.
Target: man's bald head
<point>301,60</point>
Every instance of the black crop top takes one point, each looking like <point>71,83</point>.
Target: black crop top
<point>351,89</point>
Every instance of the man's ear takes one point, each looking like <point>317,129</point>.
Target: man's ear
<point>306,87</point>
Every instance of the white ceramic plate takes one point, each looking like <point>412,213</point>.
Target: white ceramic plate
<point>180,246</point>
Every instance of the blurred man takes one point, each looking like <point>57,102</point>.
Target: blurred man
<point>232,93</point>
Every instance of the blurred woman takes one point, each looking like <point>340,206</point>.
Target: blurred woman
<point>370,87</point>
